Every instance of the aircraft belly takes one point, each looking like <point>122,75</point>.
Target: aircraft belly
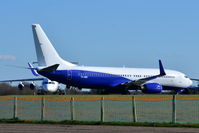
<point>86,81</point>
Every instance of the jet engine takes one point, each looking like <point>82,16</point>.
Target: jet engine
<point>21,86</point>
<point>32,86</point>
<point>152,88</point>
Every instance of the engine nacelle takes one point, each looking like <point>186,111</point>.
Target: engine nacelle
<point>20,86</point>
<point>32,86</point>
<point>152,88</point>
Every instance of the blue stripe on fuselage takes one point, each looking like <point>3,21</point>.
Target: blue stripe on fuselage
<point>90,79</point>
<point>85,79</point>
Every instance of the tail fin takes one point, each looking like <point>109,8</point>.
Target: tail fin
<point>33,70</point>
<point>46,53</point>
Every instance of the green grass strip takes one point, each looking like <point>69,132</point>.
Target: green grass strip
<point>69,122</point>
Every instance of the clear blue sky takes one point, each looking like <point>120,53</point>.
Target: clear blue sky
<point>102,33</point>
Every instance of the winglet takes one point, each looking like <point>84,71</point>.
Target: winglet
<point>162,72</point>
<point>33,70</point>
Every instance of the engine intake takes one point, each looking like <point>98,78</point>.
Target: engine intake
<point>21,86</point>
<point>32,86</point>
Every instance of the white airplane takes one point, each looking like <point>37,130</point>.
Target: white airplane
<point>109,79</point>
<point>47,84</point>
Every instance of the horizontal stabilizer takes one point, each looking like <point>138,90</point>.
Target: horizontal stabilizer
<point>50,68</point>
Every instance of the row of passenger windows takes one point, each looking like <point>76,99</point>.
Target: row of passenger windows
<point>122,75</point>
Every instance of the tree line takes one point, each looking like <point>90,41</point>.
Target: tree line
<point>8,89</point>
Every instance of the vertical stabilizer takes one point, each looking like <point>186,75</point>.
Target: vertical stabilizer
<point>46,53</point>
<point>33,70</point>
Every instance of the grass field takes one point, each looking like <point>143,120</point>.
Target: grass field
<point>144,124</point>
<point>117,108</point>
<point>104,96</point>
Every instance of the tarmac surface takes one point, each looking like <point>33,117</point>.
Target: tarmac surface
<point>54,128</point>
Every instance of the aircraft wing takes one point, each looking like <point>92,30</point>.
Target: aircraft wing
<point>140,82</point>
<point>195,79</point>
<point>18,80</point>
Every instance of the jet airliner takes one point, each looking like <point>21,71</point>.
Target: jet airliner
<point>46,86</point>
<point>108,79</point>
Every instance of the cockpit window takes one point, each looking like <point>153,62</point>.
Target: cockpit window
<point>48,83</point>
<point>185,76</point>
<point>51,83</point>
